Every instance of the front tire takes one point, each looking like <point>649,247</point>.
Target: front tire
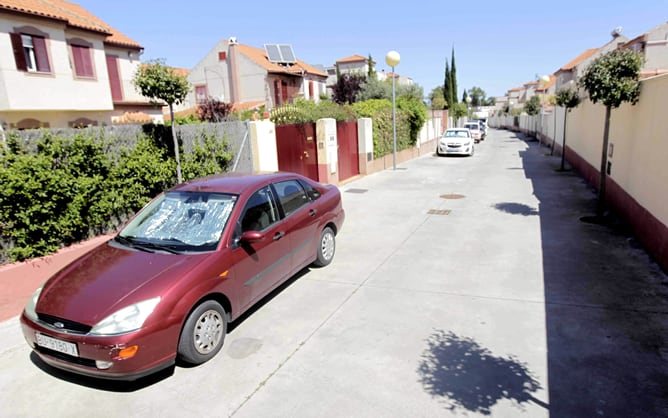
<point>326,248</point>
<point>203,334</point>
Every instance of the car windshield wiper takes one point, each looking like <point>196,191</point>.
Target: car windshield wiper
<point>146,245</point>
<point>131,242</point>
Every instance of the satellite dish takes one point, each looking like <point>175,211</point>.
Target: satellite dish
<point>233,40</point>
<point>616,31</point>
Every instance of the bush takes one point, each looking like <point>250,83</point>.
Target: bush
<point>66,189</point>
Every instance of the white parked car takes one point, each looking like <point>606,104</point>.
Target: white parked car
<point>456,141</point>
<point>476,130</point>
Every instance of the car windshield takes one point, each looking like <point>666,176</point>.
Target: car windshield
<point>180,221</point>
<point>456,134</point>
<point>472,126</point>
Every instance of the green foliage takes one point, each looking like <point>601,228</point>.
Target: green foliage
<point>415,112</point>
<point>458,110</point>
<point>191,119</point>
<point>209,156</point>
<point>453,77</point>
<point>307,111</point>
<point>70,188</point>
<point>478,96</point>
<point>532,106</point>
<point>157,81</point>
<point>375,89</point>
<point>447,86</point>
<point>437,98</point>
<point>613,78</point>
<point>567,98</point>
<point>142,172</point>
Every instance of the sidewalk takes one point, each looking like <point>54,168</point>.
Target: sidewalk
<point>18,281</point>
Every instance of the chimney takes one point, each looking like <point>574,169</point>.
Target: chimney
<point>234,70</point>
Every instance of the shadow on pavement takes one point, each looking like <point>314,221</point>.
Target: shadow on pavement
<point>606,304</point>
<point>103,384</point>
<point>469,377</point>
<point>516,208</point>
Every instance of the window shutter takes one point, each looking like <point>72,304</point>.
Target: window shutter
<point>114,78</point>
<point>19,56</point>
<point>40,55</point>
<point>82,61</point>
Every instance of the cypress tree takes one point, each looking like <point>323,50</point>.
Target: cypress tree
<point>453,76</point>
<point>446,86</point>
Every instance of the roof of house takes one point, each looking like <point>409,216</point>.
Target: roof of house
<point>516,89</point>
<point>577,60</point>
<point>72,15</point>
<point>352,58</point>
<point>260,57</point>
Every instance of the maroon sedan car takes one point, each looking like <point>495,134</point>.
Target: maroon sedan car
<point>195,258</point>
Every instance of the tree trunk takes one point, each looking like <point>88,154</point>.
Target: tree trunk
<point>600,207</point>
<point>563,144</point>
<point>176,144</point>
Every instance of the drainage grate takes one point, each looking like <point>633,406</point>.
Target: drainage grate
<point>452,196</point>
<point>359,191</point>
<point>439,211</point>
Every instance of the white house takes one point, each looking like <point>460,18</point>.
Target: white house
<point>62,66</point>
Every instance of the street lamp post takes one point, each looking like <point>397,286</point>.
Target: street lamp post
<point>392,59</point>
<point>543,82</point>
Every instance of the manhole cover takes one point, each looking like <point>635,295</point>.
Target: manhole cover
<point>452,196</point>
<point>438,211</point>
<point>359,191</point>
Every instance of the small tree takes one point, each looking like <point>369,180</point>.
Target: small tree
<point>612,79</point>
<point>568,99</point>
<point>213,110</point>
<point>532,107</point>
<point>347,88</point>
<point>157,81</point>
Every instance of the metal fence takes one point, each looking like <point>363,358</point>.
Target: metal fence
<point>118,137</point>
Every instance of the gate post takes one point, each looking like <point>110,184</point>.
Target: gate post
<point>327,144</point>
<point>263,143</point>
<point>365,143</point>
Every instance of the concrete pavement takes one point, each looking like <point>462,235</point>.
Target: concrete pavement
<point>460,287</point>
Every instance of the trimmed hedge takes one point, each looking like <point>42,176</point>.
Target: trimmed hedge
<point>64,189</point>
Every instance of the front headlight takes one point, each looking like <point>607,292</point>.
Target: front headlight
<point>128,319</point>
<point>30,306</point>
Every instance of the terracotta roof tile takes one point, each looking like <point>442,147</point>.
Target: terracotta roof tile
<point>70,13</point>
<point>260,57</point>
<point>352,58</point>
<point>574,62</point>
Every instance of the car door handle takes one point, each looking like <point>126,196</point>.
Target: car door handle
<point>279,235</point>
<point>312,212</point>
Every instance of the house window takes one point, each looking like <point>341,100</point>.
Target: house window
<point>82,59</point>
<point>200,94</point>
<point>30,53</point>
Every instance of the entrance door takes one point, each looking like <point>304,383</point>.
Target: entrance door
<point>296,148</point>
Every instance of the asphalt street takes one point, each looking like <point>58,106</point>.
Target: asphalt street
<point>461,286</point>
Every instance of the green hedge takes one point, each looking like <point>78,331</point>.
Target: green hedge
<point>72,187</point>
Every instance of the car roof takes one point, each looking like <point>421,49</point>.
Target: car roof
<point>235,183</point>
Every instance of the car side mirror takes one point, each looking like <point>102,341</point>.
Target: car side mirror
<point>250,237</point>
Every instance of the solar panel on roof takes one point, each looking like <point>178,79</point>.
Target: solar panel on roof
<point>280,53</point>
<point>287,53</point>
<point>273,53</point>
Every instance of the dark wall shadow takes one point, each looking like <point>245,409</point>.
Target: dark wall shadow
<point>606,304</point>
<point>469,377</point>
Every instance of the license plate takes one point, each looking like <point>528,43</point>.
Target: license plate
<point>57,345</point>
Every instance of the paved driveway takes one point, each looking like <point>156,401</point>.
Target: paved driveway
<point>461,287</point>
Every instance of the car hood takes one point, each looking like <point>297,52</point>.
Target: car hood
<point>107,279</point>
